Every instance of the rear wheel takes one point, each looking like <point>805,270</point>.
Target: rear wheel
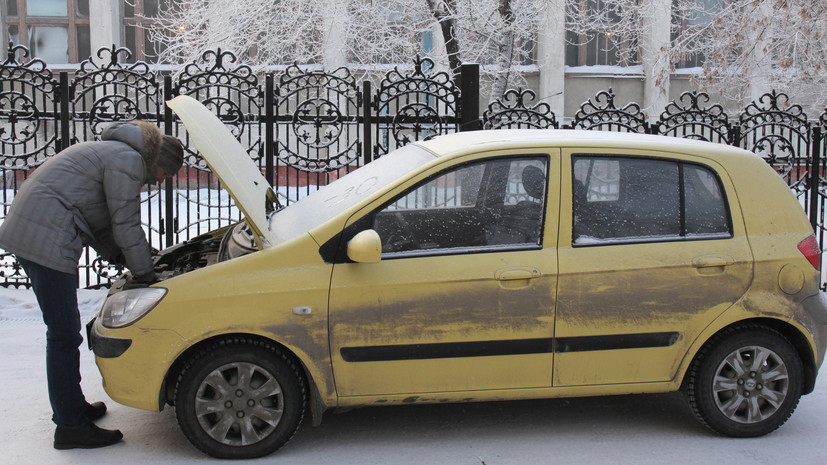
<point>240,398</point>
<point>745,382</point>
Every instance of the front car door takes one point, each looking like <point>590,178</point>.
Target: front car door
<point>463,298</point>
<point>652,248</point>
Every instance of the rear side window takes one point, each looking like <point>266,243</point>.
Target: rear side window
<point>625,199</point>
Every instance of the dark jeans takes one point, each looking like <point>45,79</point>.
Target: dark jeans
<point>57,296</point>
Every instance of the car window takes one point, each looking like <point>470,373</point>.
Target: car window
<point>491,203</point>
<point>617,199</point>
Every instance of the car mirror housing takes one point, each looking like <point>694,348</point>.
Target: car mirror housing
<point>365,247</point>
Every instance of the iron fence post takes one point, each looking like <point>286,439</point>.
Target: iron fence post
<point>735,136</point>
<point>63,95</point>
<point>269,129</point>
<point>367,123</point>
<point>815,176</point>
<point>168,225</point>
<point>469,106</point>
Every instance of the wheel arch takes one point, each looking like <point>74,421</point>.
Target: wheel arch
<point>790,332</point>
<point>316,404</point>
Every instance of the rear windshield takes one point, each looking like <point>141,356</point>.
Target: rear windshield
<point>345,192</point>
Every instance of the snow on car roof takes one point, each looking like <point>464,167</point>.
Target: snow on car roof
<point>450,144</point>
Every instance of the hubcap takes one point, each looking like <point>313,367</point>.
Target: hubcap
<point>239,404</point>
<point>750,384</point>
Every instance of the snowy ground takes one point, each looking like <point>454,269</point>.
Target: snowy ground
<point>609,430</point>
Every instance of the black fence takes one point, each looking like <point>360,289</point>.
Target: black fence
<point>307,127</point>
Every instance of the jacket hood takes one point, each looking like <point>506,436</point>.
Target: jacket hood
<point>142,136</point>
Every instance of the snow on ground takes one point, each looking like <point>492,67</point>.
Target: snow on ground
<point>651,429</point>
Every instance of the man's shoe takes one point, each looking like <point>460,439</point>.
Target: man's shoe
<point>88,436</point>
<point>95,411</point>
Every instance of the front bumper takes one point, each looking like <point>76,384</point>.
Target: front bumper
<point>134,362</point>
<point>105,347</point>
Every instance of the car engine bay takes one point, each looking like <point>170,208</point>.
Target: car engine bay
<point>207,249</point>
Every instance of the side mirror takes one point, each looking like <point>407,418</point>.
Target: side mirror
<point>365,247</point>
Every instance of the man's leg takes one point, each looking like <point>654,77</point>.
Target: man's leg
<point>57,296</point>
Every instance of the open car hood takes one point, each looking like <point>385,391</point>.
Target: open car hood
<point>230,162</point>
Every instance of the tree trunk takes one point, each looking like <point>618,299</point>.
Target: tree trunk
<point>445,13</point>
<point>505,49</point>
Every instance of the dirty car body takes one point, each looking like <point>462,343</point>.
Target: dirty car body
<point>479,266</point>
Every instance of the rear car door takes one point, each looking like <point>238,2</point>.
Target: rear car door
<point>652,248</point>
<point>463,298</point>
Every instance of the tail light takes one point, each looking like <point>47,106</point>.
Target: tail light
<point>809,247</point>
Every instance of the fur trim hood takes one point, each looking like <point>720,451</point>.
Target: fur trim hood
<point>142,136</point>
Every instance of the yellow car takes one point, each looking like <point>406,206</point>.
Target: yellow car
<point>480,266</point>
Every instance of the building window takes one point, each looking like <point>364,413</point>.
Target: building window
<point>56,31</point>
<point>592,36</point>
<point>689,17</point>
<point>138,17</point>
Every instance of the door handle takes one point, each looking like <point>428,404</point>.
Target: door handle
<point>516,273</point>
<point>712,264</point>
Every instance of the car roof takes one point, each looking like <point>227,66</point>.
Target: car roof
<point>463,142</point>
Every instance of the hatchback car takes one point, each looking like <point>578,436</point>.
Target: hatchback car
<point>478,266</point>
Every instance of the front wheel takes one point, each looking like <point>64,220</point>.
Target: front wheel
<point>745,382</point>
<point>240,398</point>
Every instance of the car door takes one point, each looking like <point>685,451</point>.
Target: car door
<point>652,249</point>
<point>463,298</point>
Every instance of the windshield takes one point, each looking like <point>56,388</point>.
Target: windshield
<point>345,192</point>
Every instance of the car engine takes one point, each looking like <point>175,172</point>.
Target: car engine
<point>207,249</point>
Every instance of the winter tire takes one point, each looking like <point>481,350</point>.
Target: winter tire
<point>239,399</point>
<point>745,382</point>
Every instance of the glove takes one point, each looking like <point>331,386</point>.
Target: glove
<point>141,281</point>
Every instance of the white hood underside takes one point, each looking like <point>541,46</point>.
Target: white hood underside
<point>230,162</point>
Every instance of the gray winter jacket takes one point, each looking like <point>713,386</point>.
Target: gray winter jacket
<point>88,194</point>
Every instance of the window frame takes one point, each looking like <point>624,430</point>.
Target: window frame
<point>23,21</point>
<point>682,236</point>
<point>594,39</point>
<point>139,23</point>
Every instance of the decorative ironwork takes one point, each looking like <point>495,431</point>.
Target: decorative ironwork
<point>231,91</point>
<point>511,111</point>
<point>109,91</point>
<point>11,273</point>
<point>415,105</point>
<point>779,132</point>
<point>690,117</point>
<point>601,113</point>
<point>317,116</point>
<point>28,111</point>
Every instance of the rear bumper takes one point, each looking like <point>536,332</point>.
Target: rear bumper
<point>813,315</point>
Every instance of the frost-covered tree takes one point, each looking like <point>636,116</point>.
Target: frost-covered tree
<point>752,46</point>
<point>745,47</point>
<point>498,34</point>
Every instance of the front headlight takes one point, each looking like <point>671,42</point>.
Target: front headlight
<point>126,307</point>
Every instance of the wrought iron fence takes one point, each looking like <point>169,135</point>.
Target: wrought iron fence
<point>305,128</point>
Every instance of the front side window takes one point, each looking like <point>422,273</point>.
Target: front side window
<point>492,203</point>
<point>616,199</point>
